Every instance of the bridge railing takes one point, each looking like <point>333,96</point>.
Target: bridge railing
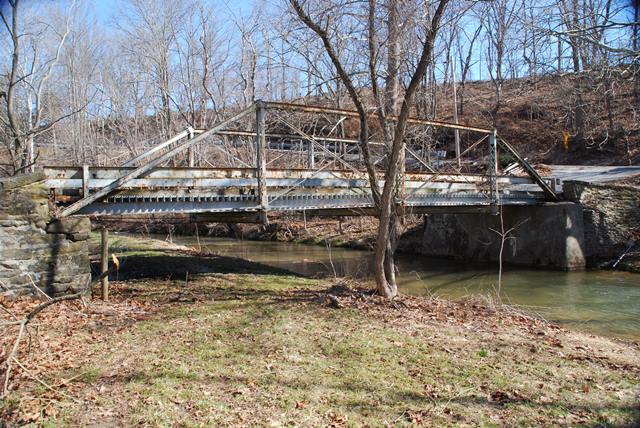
<point>271,151</point>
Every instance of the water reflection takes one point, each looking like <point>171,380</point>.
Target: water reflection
<point>601,302</point>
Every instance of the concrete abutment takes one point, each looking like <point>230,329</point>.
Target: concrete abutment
<point>593,227</point>
<point>549,236</point>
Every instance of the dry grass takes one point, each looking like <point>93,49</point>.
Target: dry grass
<point>252,350</point>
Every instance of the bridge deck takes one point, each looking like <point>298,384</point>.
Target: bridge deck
<point>220,190</point>
<point>143,186</point>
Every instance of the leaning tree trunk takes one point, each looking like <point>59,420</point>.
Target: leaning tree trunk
<point>384,260</point>
<point>389,230</point>
<point>395,230</point>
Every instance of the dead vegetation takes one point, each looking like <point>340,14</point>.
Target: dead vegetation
<point>239,349</point>
<point>533,117</point>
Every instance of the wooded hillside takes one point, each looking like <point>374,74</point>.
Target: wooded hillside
<point>85,84</point>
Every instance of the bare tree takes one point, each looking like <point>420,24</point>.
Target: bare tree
<point>321,24</point>
<point>28,82</point>
<point>80,62</point>
<point>466,61</point>
<point>499,19</point>
<point>149,27</point>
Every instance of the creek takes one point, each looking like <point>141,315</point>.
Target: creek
<point>596,301</point>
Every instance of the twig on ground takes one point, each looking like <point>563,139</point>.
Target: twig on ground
<point>8,312</point>
<point>38,289</point>
<point>11,357</point>
<point>9,323</point>
<point>43,383</point>
<point>32,314</point>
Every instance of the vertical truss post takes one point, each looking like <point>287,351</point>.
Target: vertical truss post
<point>192,149</point>
<point>85,181</point>
<point>311,154</point>
<point>261,163</point>
<point>492,168</point>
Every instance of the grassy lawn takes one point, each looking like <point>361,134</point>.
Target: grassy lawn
<point>232,348</point>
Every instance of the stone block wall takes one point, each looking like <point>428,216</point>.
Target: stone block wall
<point>54,254</point>
<point>611,217</point>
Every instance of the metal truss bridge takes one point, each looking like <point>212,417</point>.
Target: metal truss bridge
<point>277,157</point>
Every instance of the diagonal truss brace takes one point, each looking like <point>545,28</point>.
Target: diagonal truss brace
<point>530,170</point>
<point>186,133</point>
<point>75,207</point>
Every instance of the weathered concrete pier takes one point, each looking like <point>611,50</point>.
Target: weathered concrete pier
<point>598,221</point>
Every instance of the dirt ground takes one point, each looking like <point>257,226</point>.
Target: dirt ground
<point>191,339</point>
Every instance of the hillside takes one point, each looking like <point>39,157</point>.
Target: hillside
<point>534,115</point>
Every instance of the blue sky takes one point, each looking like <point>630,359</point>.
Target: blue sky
<point>104,10</point>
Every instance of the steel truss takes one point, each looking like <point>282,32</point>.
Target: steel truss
<point>283,157</point>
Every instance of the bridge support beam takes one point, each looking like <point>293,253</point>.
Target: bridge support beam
<point>261,161</point>
<point>311,154</point>
<point>85,180</point>
<point>192,149</point>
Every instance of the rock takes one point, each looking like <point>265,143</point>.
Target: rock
<point>70,226</point>
<point>53,254</point>
<point>21,180</point>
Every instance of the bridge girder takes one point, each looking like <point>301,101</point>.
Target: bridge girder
<point>143,185</point>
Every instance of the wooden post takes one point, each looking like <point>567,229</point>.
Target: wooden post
<point>261,163</point>
<point>104,263</point>
<point>85,181</point>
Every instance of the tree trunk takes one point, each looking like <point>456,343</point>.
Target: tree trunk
<point>636,79</point>
<point>384,202</point>
<point>383,257</point>
<point>578,106</point>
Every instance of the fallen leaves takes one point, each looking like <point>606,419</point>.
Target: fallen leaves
<point>437,365</point>
<point>431,391</point>
<point>337,420</point>
<point>418,417</point>
<point>503,397</point>
<point>469,313</point>
<point>58,342</point>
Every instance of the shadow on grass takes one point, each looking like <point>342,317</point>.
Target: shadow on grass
<point>166,276</point>
<point>160,265</point>
<point>197,292</point>
<point>368,399</point>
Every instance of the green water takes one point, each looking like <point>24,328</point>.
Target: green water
<point>602,302</point>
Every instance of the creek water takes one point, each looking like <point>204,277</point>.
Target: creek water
<point>601,302</point>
